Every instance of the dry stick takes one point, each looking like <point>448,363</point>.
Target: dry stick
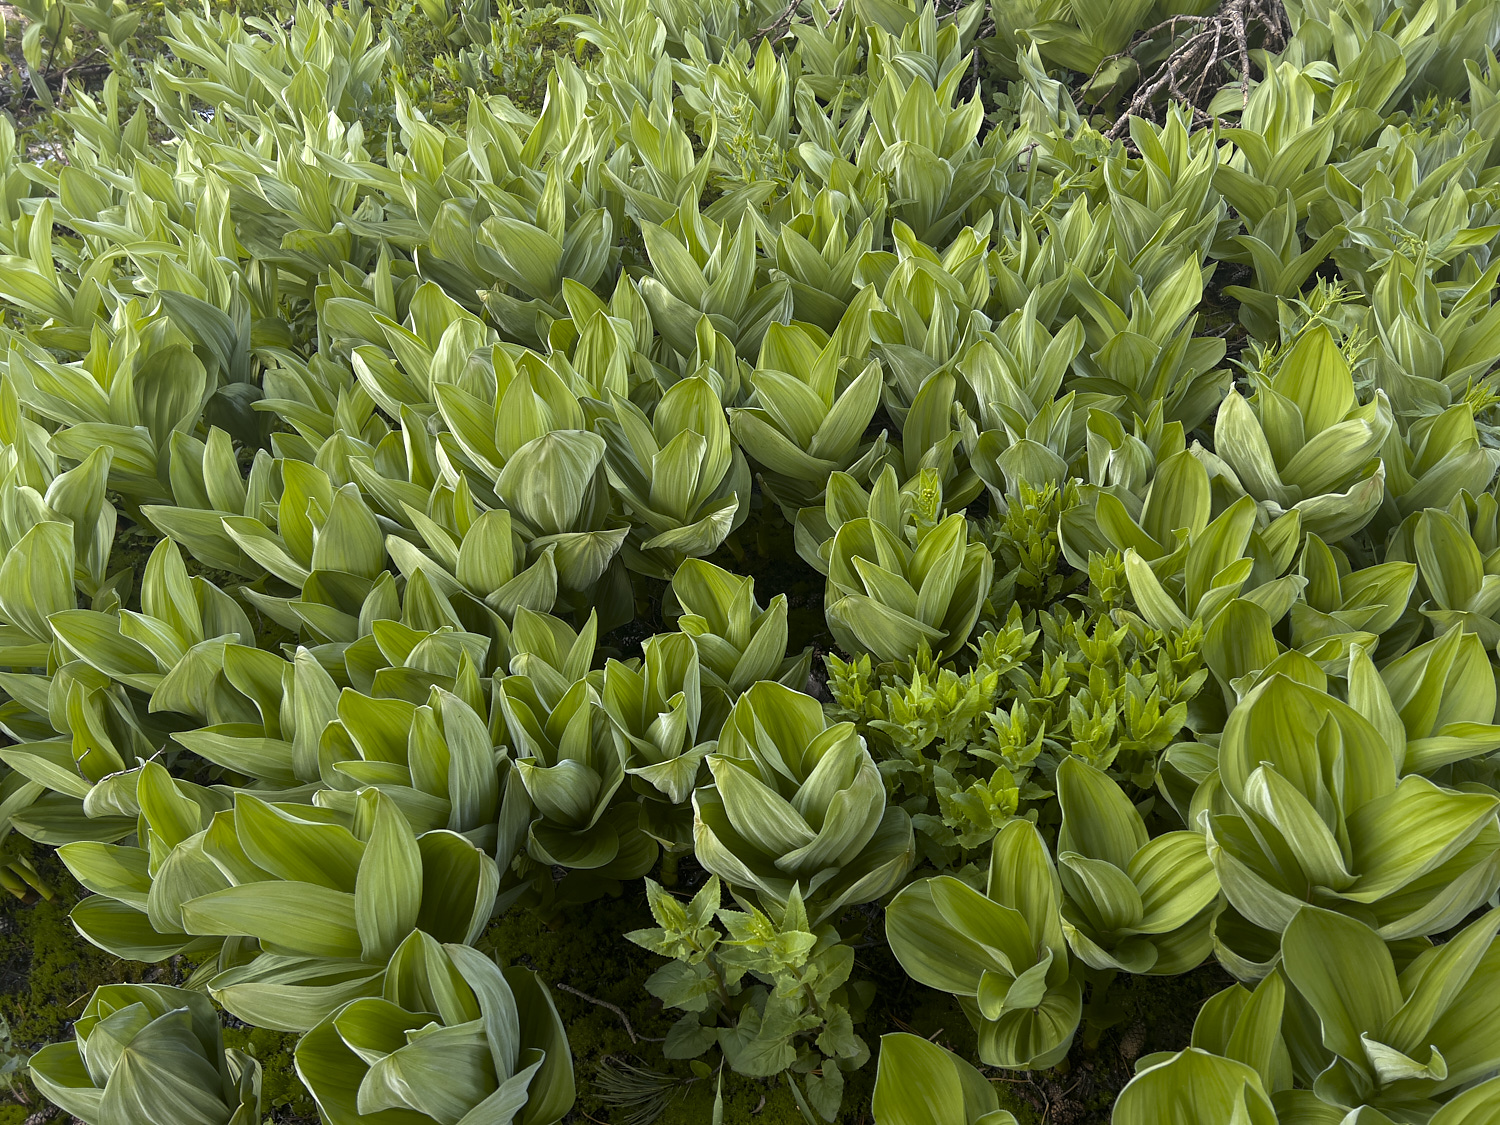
<point>1186,73</point>
<point>780,25</point>
<point>615,1008</point>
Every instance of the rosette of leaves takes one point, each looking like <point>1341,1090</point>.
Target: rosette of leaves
<point>557,491</point>
<point>930,316</point>
<point>147,1053</point>
<point>819,247</point>
<point>1431,347</point>
<point>406,655</point>
<point>560,801</point>
<point>1307,807</point>
<point>658,708</point>
<point>451,1037</point>
<point>1122,461</point>
<point>1026,430</point>
<point>1192,1086</point>
<point>1462,590</point>
<point>1245,1026</point>
<point>1175,509</point>
<point>798,804</point>
<point>292,724</point>
<point>1434,705</point>
<point>517,430</point>
<point>920,1083</point>
<point>177,647</point>
<point>1283,144</point>
<point>927,147</point>
<point>441,775</point>
<point>129,913</point>
<point>1395,1037</point>
<point>1230,583</point>
<point>312,902</point>
<point>900,574</point>
<point>1304,443</point>
<point>60,771</point>
<point>163,385</point>
<point>1341,602</point>
<point>738,642</point>
<point>327,544</point>
<point>398,361</point>
<point>1140,335</point>
<point>35,491</point>
<point>481,554</point>
<point>1399,1036</point>
<point>563,238</point>
<point>494,402</point>
<point>814,398</point>
<point>208,487</point>
<point>704,268</point>
<point>1003,953</point>
<point>682,479</point>
<point>1437,458</point>
<point>771,989</point>
<point>35,582</point>
<point>47,688</point>
<point>596,349</point>
<point>1131,902</point>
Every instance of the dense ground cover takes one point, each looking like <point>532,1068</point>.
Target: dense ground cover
<point>672,561</point>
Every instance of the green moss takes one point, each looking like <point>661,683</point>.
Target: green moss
<point>283,1098</point>
<point>48,972</point>
<point>439,66</point>
<point>584,949</point>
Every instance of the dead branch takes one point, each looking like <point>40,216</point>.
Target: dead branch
<point>615,1008</point>
<point>1216,51</point>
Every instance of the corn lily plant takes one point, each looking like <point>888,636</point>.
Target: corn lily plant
<point>1002,953</point>
<point>900,574</point>
<point>570,758</point>
<point>1305,443</point>
<point>684,481</point>
<point>452,1036</point>
<point>738,642</point>
<point>147,1053</point>
<point>355,886</point>
<point>920,1083</point>
<point>1456,574</point>
<point>811,407</point>
<point>1276,795</point>
<point>658,708</point>
<point>1400,1042</point>
<point>1131,902</point>
<point>798,803</point>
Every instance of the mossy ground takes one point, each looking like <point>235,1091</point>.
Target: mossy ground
<point>583,949</point>
<point>48,972</point>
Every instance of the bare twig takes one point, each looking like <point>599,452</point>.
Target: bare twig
<point>1195,68</point>
<point>615,1008</point>
<point>779,26</point>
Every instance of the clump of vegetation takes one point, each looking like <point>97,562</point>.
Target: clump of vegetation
<point>659,562</point>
